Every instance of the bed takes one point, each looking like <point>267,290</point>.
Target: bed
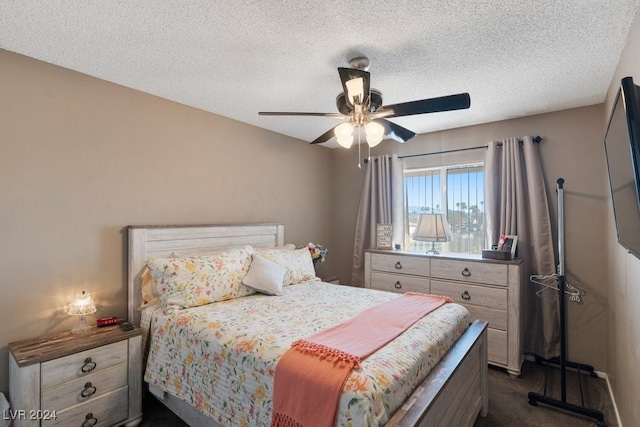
<point>453,392</point>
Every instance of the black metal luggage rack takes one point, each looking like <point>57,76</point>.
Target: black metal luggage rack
<point>562,362</point>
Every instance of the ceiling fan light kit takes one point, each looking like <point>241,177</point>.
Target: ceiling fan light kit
<point>344,134</point>
<point>362,106</point>
<point>374,133</point>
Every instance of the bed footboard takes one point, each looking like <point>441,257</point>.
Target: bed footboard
<point>455,391</point>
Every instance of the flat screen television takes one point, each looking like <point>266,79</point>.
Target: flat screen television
<point>622,148</point>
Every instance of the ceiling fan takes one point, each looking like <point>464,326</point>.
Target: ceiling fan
<point>362,106</point>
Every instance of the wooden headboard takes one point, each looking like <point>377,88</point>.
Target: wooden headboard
<point>160,241</point>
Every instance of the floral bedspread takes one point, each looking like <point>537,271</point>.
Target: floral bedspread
<point>221,357</point>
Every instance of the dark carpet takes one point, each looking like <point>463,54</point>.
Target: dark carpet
<point>508,401</point>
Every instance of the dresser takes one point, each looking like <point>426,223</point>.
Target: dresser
<point>489,289</point>
<point>65,379</point>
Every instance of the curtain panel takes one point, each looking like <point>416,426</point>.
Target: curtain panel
<point>516,204</point>
<point>381,202</point>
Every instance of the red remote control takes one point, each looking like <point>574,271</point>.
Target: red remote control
<point>106,321</point>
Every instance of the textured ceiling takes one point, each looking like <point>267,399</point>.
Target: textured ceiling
<point>235,58</point>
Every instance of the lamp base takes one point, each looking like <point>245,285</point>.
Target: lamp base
<point>433,249</point>
<point>81,327</point>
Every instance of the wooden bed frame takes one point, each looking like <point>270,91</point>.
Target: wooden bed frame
<point>454,392</point>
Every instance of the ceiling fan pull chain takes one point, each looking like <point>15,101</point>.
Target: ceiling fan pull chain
<point>359,164</point>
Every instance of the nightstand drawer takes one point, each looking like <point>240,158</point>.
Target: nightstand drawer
<point>107,410</point>
<point>478,272</point>
<point>81,390</point>
<point>398,283</point>
<point>483,296</point>
<point>418,266</point>
<point>81,364</point>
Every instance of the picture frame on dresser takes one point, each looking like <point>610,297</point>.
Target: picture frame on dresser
<point>508,242</point>
<point>384,236</point>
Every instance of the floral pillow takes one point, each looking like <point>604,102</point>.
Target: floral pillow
<point>199,280</point>
<point>298,263</point>
<point>148,287</point>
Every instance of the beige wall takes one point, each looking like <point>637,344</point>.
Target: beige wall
<point>623,278</point>
<point>80,159</point>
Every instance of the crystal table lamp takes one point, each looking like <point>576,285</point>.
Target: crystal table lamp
<point>81,306</point>
<point>432,228</point>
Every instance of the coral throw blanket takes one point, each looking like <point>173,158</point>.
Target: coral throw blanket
<point>310,376</point>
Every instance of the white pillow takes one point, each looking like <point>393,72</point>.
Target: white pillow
<point>265,276</point>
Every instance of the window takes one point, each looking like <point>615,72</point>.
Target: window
<point>457,192</point>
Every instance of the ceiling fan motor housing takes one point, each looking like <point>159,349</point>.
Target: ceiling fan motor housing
<point>375,101</point>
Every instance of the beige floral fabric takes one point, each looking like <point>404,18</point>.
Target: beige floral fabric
<point>221,358</point>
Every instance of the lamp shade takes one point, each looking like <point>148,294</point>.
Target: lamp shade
<point>81,306</point>
<point>355,90</point>
<point>346,142</point>
<point>432,228</point>
<point>374,132</point>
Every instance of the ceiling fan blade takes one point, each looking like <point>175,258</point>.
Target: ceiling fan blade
<point>293,113</point>
<point>348,74</point>
<point>325,136</point>
<point>459,101</point>
<point>394,131</point>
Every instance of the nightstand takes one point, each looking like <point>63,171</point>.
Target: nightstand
<point>90,379</point>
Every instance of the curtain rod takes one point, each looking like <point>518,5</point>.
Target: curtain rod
<point>536,140</point>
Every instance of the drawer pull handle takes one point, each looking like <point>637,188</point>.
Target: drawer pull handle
<point>466,272</point>
<point>397,285</point>
<point>89,390</point>
<point>398,266</point>
<point>89,365</point>
<point>89,420</point>
<point>465,296</point>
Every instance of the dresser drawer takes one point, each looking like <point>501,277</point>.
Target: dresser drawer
<point>80,390</point>
<point>81,364</point>
<point>398,282</point>
<point>465,271</point>
<point>497,318</point>
<point>108,410</point>
<point>418,266</point>
<point>497,349</point>
<point>463,293</point>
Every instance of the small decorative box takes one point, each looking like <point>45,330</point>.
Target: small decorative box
<point>496,254</point>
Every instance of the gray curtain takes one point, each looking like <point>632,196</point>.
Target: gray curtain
<point>516,204</point>
<point>380,203</point>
